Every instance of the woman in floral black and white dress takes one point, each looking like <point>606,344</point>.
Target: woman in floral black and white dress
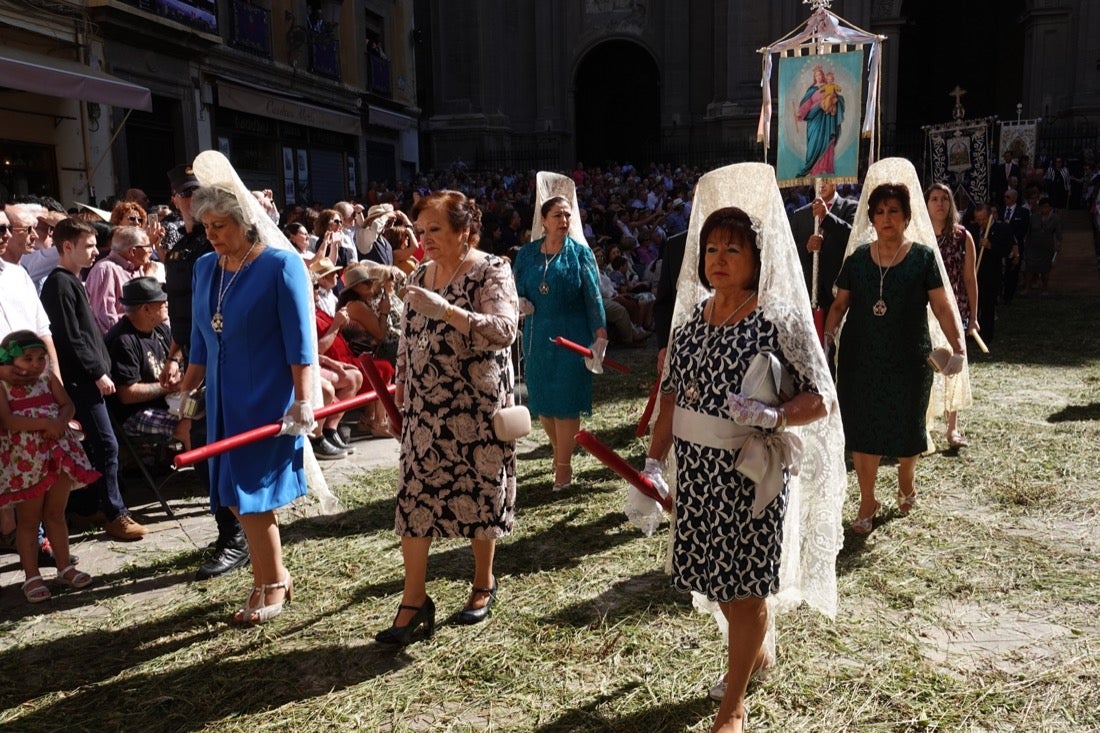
<point>454,371</point>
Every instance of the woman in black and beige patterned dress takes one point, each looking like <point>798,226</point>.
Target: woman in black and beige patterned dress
<point>454,371</point>
<point>729,527</point>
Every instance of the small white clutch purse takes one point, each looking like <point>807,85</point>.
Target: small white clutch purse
<point>511,423</point>
<point>767,380</point>
<point>938,359</point>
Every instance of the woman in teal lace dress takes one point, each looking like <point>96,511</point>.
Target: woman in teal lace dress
<point>557,277</point>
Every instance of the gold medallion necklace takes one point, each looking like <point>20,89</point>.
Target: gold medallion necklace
<point>879,308</point>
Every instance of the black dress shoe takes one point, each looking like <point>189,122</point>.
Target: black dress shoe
<point>337,440</point>
<point>469,615</point>
<point>402,635</point>
<point>229,554</point>
<point>326,451</point>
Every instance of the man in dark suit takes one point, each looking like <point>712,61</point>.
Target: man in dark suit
<point>1018,219</point>
<point>1001,176</point>
<point>672,259</point>
<point>993,246</point>
<point>836,215</point>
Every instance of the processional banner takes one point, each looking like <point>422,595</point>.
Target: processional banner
<point>820,98</point>
<point>1018,138</point>
<point>959,152</point>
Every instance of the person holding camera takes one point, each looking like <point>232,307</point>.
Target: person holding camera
<point>331,240</point>
<point>387,238</point>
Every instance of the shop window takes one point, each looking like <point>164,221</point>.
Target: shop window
<point>26,168</point>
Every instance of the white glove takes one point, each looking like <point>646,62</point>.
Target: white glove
<point>752,412</point>
<point>599,348</point>
<point>954,365</point>
<point>298,419</point>
<point>655,471</point>
<point>526,307</point>
<point>427,302</point>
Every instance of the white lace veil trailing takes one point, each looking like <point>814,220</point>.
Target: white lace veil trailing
<point>813,534</point>
<point>214,169</point>
<point>547,186</point>
<point>952,393</point>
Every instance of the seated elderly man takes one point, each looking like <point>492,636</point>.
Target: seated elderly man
<point>129,258</point>
<point>138,345</point>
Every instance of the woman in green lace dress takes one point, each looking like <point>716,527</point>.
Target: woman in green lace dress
<point>883,377</point>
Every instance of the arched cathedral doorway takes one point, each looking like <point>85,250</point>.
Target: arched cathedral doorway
<point>618,104</point>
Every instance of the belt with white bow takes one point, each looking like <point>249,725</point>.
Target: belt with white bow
<point>763,453</point>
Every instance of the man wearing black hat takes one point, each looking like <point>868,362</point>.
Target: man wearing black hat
<point>138,345</point>
<point>186,242</point>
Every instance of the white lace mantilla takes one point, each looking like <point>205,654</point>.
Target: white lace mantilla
<point>813,534</point>
<point>951,393</point>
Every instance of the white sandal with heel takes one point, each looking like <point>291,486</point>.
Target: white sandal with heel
<point>559,485</point>
<point>248,614</point>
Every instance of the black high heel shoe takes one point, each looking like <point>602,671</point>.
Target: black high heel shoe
<point>469,616</point>
<point>402,635</point>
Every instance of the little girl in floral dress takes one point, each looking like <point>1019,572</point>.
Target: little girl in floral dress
<point>41,460</point>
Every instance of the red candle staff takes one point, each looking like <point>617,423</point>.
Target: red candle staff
<point>265,431</point>
<point>379,386</point>
<point>587,353</point>
<point>647,413</point>
<point>612,460</point>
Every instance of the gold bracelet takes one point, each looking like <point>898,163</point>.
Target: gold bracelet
<point>448,313</point>
<point>782,419</point>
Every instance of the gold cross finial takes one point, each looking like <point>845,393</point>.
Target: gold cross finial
<point>958,113</point>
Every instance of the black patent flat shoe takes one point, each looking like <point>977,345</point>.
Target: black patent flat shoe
<point>402,635</point>
<point>469,615</point>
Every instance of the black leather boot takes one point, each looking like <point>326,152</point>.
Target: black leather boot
<point>230,552</point>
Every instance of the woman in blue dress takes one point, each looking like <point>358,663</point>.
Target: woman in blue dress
<point>557,277</point>
<point>251,342</point>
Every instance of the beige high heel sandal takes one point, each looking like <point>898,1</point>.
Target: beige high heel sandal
<point>560,485</point>
<point>248,614</point>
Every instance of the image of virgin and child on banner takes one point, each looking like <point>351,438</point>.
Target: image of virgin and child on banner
<point>819,105</point>
<point>959,155</point>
